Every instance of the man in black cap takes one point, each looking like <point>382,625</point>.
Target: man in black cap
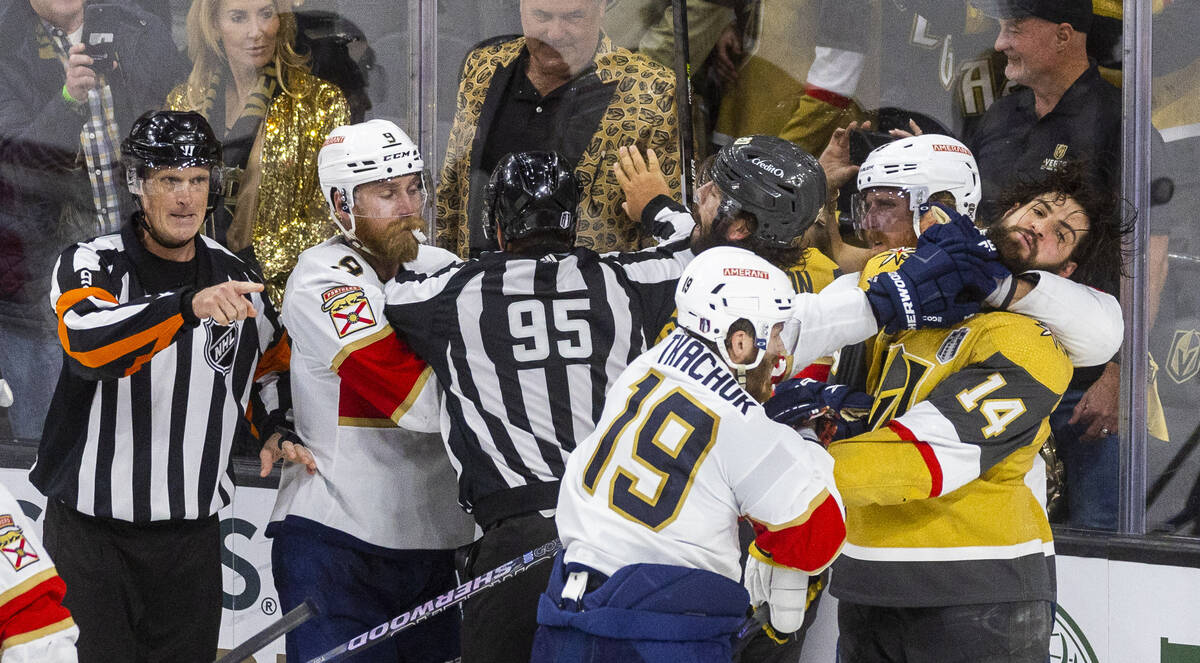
<point>1061,110</point>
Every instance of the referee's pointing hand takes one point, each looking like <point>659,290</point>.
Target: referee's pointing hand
<point>226,302</point>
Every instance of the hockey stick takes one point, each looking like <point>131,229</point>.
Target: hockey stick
<point>451,598</point>
<point>683,98</point>
<point>297,616</point>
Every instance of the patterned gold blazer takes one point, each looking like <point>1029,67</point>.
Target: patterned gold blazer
<point>292,214</point>
<point>641,112</point>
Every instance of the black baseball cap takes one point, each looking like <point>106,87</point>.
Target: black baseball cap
<point>1076,12</point>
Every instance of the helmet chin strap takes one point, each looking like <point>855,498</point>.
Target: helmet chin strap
<point>740,369</point>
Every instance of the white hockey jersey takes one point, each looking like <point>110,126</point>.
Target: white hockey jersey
<point>35,626</point>
<point>680,454</point>
<point>368,410</point>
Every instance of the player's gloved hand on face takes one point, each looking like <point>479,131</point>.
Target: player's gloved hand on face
<point>785,590</point>
<point>834,412</point>
<point>979,263</point>
<point>926,291</point>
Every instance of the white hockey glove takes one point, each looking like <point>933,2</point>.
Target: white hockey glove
<point>784,589</point>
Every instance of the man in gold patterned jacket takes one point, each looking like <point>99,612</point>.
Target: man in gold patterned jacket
<point>562,86</point>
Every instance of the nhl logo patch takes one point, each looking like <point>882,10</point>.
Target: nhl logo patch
<point>14,546</point>
<point>220,346</point>
<point>348,309</point>
<point>951,345</point>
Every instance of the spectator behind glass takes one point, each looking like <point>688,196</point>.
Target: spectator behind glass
<point>1064,111</point>
<point>564,87</point>
<point>272,116</point>
<point>60,123</point>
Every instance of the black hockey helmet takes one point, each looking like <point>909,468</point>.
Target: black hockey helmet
<point>171,139</point>
<point>531,193</point>
<point>773,179</point>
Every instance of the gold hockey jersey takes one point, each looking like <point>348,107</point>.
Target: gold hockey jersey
<point>938,508</point>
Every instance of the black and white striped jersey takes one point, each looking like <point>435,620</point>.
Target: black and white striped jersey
<point>525,348</point>
<point>150,399</point>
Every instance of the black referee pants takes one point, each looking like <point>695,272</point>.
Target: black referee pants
<point>498,625</point>
<point>139,593</point>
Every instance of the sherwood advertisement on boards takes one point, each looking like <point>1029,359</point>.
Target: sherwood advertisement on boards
<point>1109,611</point>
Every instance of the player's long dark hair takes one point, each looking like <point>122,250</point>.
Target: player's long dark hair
<point>1100,255</point>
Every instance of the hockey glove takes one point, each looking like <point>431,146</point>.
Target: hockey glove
<point>785,590</point>
<point>925,291</point>
<point>979,264</point>
<point>834,411</point>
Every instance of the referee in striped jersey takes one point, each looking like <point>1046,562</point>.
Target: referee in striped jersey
<point>525,342</point>
<point>165,334</point>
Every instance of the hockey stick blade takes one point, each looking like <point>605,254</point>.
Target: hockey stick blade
<point>443,601</point>
<point>297,616</point>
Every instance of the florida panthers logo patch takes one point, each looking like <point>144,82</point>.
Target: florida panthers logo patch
<point>220,346</point>
<point>348,309</point>
<point>14,546</point>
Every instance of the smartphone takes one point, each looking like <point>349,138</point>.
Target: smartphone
<point>99,32</point>
<point>863,142</point>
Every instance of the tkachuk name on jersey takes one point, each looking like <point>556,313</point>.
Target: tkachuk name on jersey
<point>692,357</point>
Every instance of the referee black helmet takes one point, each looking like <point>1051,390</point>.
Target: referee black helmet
<point>532,193</point>
<point>171,139</point>
<point>774,180</point>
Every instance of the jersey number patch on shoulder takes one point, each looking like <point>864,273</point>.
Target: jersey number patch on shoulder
<point>673,436</point>
<point>348,308</point>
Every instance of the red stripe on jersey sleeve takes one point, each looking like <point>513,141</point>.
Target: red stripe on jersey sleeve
<point>35,609</point>
<point>927,454</point>
<point>809,546</point>
<point>382,375</point>
<point>832,98</point>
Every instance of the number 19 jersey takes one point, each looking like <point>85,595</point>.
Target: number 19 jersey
<point>680,454</point>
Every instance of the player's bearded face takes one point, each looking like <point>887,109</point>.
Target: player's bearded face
<point>396,241</point>
<point>1041,234</point>
<point>386,214</point>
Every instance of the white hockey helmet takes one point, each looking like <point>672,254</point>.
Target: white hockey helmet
<point>922,166</point>
<point>725,284</point>
<point>355,154</point>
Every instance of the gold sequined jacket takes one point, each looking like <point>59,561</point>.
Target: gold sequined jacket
<point>641,111</point>
<point>292,214</point>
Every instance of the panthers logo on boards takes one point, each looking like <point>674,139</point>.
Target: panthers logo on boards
<point>14,546</point>
<point>348,309</point>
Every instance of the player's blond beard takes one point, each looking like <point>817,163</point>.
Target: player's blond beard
<point>398,243</point>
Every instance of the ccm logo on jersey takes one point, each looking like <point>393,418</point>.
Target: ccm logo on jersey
<point>14,545</point>
<point>348,309</point>
<point>746,271</point>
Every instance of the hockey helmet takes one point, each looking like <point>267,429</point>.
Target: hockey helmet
<point>531,193</point>
<point>171,139</point>
<point>355,154</point>
<point>726,284</point>
<point>920,166</point>
<point>775,180</point>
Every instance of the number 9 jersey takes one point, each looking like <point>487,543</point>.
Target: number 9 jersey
<point>681,453</point>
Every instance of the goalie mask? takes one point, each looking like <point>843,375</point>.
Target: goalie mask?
<point>726,284</point>
<point>356,154</point>
<point>920,166</point>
